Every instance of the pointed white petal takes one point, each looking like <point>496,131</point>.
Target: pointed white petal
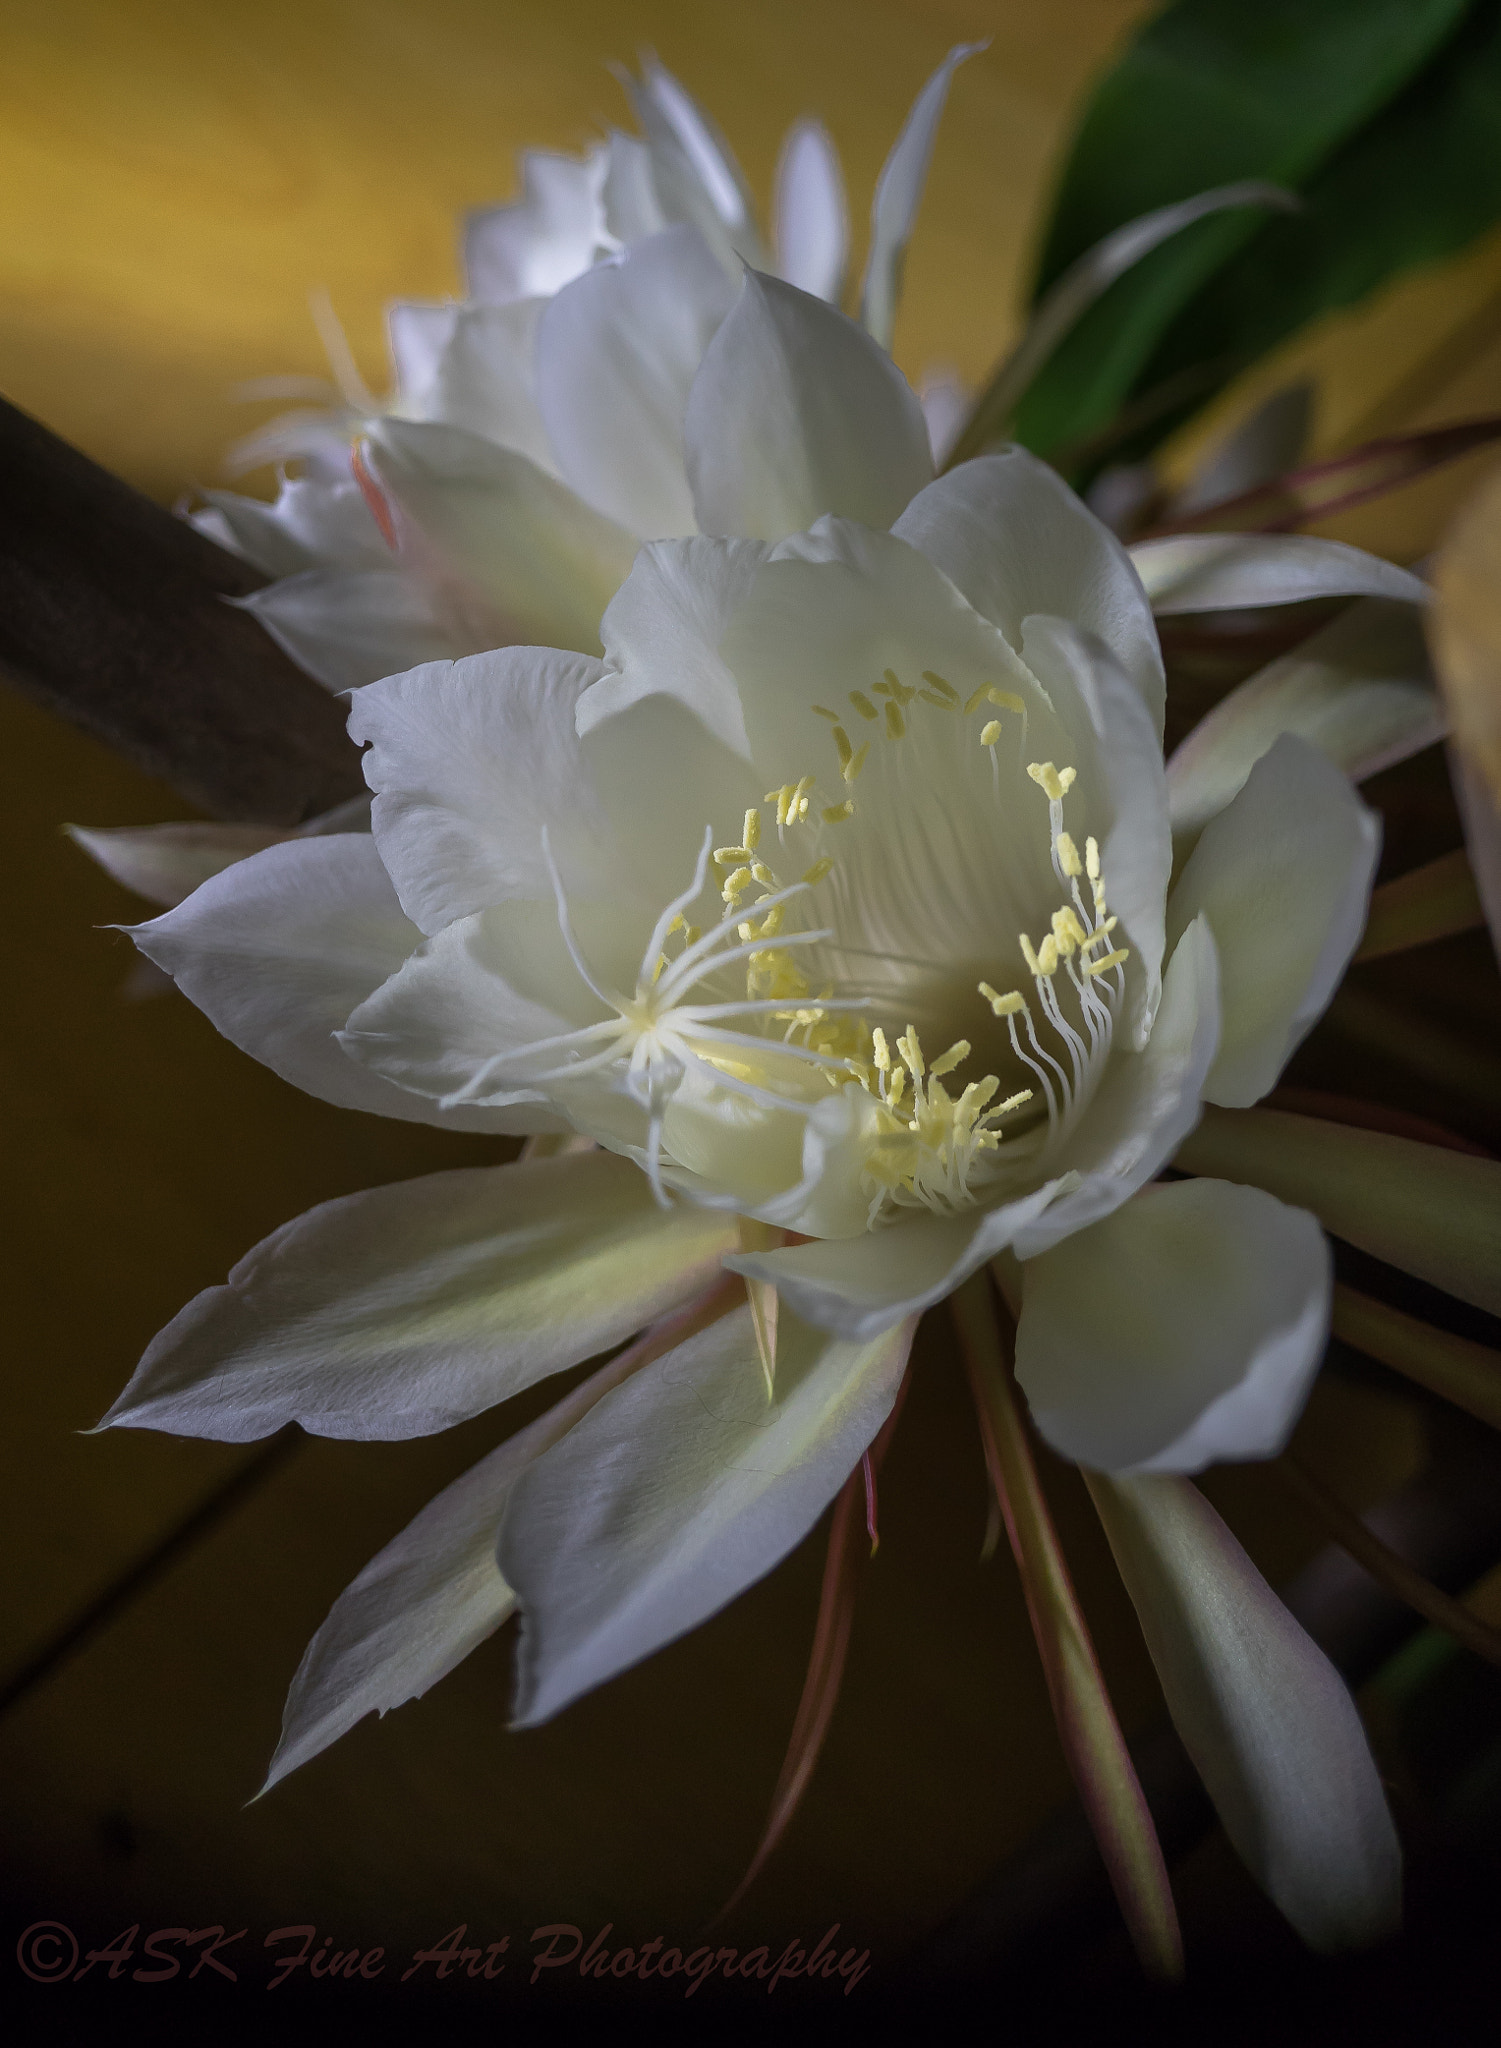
<point>617,351</point>
<point>1284,876</point>
<point>166,863</point>
<point>1264,1715</point>
<point>1422,1208</point>
<point>542,562</point>
<point>945,399</point>
<point>406,1309</point>
<point>279,948</point>
<point>671,116</point>
<point>311,525</point>
<point>1011,534</point>
<point>812,217</point>
<point>347,627</point>
<point>899,191</point>
<point>1359,690</point>
<point>1182,1329</point>
<point>1221,572</point>
<point>677,1492</point>
<point>470,762</point>
<point>534,247</point>
<point>471,367</point>
<point>794,413</point>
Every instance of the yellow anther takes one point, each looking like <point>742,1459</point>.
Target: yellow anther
<point>763,874</point>
<point>736,886</point>
<point>898,1085</point>
<point>990,733</point>
<point>1007,700</point>
<point>1004,1006</point>
<point>896,725</point>
<point>1047,957</point>
<point>818,870</point>
<point>1068,932</point>
<point>834,814</point>
<point>842,742</point>
<point>1067,778</point>
<point>944,689</point>
<point>881,1052</point>
<point>863,704</point>
<point>1012,1102</point>
<point>895,687</point>
<point>656,973</point>
<point>975,1097</point>
<point>1034,965</point>
<point>1092,859</point>
<point>797,805</point>
<point>1054,781</point>
<point>932,697</point>
<point>1097,936</point>
<point>1068,855</point>
<point>781,798</point>
<point>956,1055</point>
<point>1110,960</point>
<point>691,934</point>
<point>752,832</point>
<point>824,712</point>
<point>731,856</point>
<point>856,762</point>
<point>911,1053</point>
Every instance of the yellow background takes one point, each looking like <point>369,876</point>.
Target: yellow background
<point>173,180</point>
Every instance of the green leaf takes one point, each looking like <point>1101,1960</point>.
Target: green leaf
<point>1212,91</point>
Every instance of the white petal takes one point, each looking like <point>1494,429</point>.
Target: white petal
<point>278,949</point>
<point>678,1491</point>
<point>470,762</point>
<point>899,191</point>
<point>795,412</point>
<point>406,1309</point>
<point>471,367</point>
<point>1146,1105</point>
<point>1221,572</point>
<point>351,626</point>
<point>1184,1328</point>
<point>311,525</point>
<point>1481,815</point>
<point>1284,876</point>
<point>1264,1715</point>
<point>531,249</point>
<point>812,217</point>
<point>542,562</point>
<point>1359,690</point>
<point>946,400</point>
<point>616,354</point>
<point>166,863</point>
<point>1421,1208</point>
<point>677,126</point>
<point>1265,444</point>
<point>1008,530</point>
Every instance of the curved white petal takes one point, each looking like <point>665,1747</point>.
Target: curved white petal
<point>1359,690</point>
<point>312,524</point>
<point>543,562</point>
<point>470,762</point>
<point>812,216</point>
<point>616,354</point>
<point>1182,1329</point>
<point>348,627</point>
<point>532,248</point>
<point>1283,875</point>
<point>406,1309</point>
<point>166,863</point>
<point>796,412</point>
<point>683,137</point>
<point>679,1490</point>
<point>1264,1715</point>
<point>1016,540</point>
<point>471,366</point>
<point>1421,1208</point>
<point>899,191</point>
<point>278,949</point>
<point>1221,572</point>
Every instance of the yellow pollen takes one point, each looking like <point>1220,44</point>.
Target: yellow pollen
<point>1047,956</point>
<point>833,814</point>
<point>856,762</point>
<point>1092,859</point>
<point>1003,1006</point>
<point>1057,782</point>
<point>898,1083</point>
<point>895,688</point>
<point>911,1053</point>
<point>823,712</point>
<point>863,704</point>
<point>842,742</point>
<point>1034,965</point>
<point>818,870</point>
<point>881,1052</point>
<point>956,1055</point>
<point>1003,700</point>
<point>752,832</point>
<point>763,874</point>
<point>945,690</point>
<point>731,856</point>
<point>1097,936</point>
<point>736,886</point>
<point>1068,932</point>
<point>1068,855</point>
<point>781,798</point>
<point>896,725</point>
<point>1012,1102</point>
<point>1110,960</point>
<point>932,697</point>
<point>990,733</point>
<point>797,806</point>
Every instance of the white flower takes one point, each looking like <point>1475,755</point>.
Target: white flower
<point>539,430</point>
<point>834,900</point>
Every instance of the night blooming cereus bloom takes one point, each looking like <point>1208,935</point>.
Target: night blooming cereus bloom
<point>836,905</point>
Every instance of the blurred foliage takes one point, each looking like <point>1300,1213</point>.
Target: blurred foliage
<point>1383,115</point>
